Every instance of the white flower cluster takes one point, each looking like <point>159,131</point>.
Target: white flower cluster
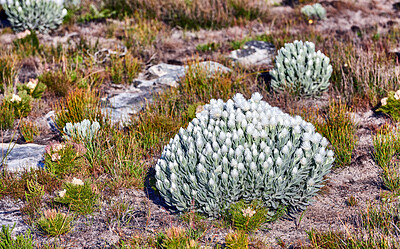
<point>242,149</point>
<point>301,70</point>
<point>83,131</point>
<point>39,15</point>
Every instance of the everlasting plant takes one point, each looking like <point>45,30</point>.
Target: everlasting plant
<point>390,105</point>
<point>315,11</point>
<point>300,70</point>
<point>39,15</point>
<point>82,131</point>
<point>243,149</point>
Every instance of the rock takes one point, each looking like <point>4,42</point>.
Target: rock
<point>254,53</point>
<point>10,215</point>
<point>122,103</point>
<point>170,74</point>
<point>49,119</point>
<point>22,156</point>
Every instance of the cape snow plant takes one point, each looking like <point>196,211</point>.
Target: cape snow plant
<point>300,70</point>
<point>243,149</point>
<point>39,15</point>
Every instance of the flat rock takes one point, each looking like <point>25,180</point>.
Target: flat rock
<point>254,53</point>
<point>10,215</point>
<point>22,156</point>
<point>122,103</point>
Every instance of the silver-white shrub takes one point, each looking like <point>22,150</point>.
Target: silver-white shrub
<point>314,11</point>
<point>39,15</point>
<point>83,131</point>
<point>301,70</point>
<point>243,149</point>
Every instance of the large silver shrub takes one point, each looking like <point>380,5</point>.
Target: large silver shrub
<point>39,15</point>
<point>243,149</point>
<point>301,70</point>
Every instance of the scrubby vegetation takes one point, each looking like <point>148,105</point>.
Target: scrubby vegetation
<point>300,152</point>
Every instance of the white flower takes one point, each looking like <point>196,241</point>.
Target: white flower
<point>76,181</point>
<point>248,212</point>
<point>173,177</point>
<point>23,35</point>
<point>55,157</point>
<point>62,193</point>
<point>15,98</point>
<point>319,158</point>
<point>253,166</point>
<point>211,182</point>
<point>397,95</point>
<point>256,97</point>
<point>384,101</point>
<point>234,173</point>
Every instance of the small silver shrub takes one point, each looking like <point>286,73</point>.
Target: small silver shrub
<point>39,15</point>
<point>315,11</point>
<point>83,131</point>
<point>301,70</point>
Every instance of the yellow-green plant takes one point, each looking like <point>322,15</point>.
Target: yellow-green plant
<point>7,115</point>
<point>177,238</point>
<point>54,223</point>
<point>79,105</point>
<point>124,69</point>
<point>29,130</point>
<point>65,158</point>
<point>384,142</point>
<point>339,128</point>
<point>78,196</point>
<point>249,217</point>
<point>237,240</point>
<point>20,241</point>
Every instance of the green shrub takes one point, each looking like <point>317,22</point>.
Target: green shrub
<point>243,149</point>
<point>78,196</point>
<point>249,217</point>
<point>7,115</point>
<point>34,88</point>
<point>62,159</point>
<point>21,241</point>
<point>300,70</point>
<point>20,102</point>
<point>54,223</point>
<point>390,105</point>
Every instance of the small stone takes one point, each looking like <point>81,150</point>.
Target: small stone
<point>254,53</point>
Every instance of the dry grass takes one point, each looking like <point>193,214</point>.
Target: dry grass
<point>194,14</point>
